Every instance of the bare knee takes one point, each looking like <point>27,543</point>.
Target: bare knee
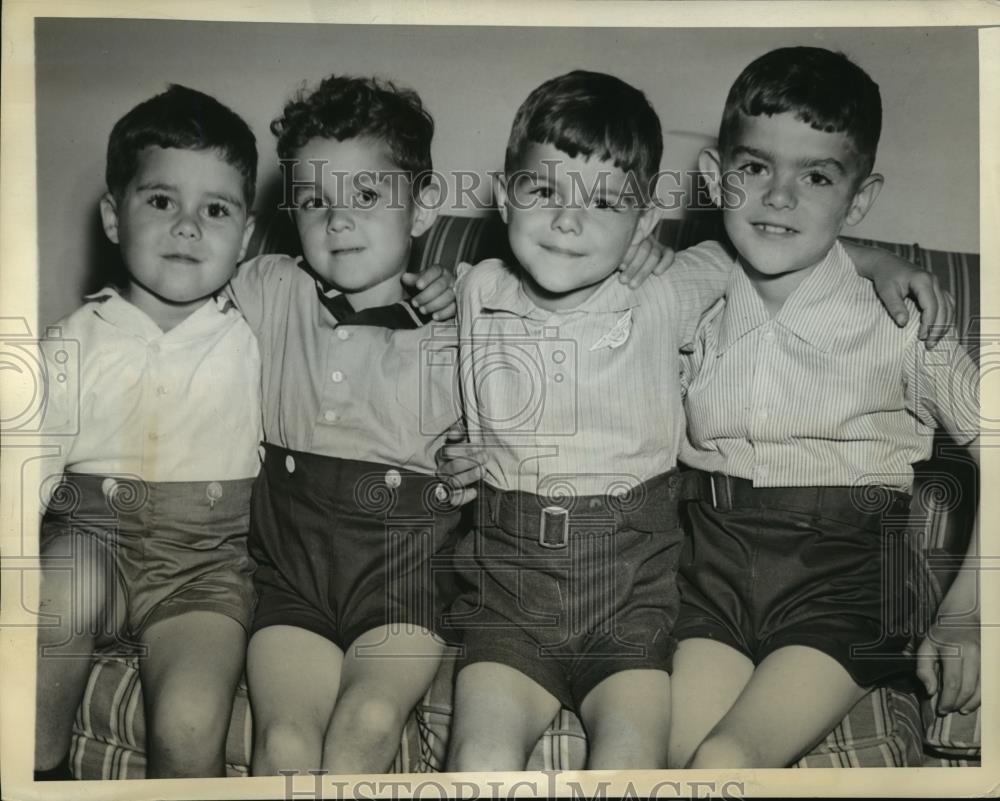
<point>285,745</point>
<point>373,719</point>
<point>187,732</point>
<point>720,750</point>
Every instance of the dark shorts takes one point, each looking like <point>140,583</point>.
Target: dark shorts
<point>175,547</point>
<point>766,574</point>
<point>569,617</point>
<point>343,547</point>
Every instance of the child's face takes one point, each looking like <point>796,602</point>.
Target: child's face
<point>355,231</point>
<point>182,226</point>
<point>800,187</point>
<point>566,246</point>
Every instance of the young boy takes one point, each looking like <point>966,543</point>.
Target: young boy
<point>806,409</point>
<point>145,538</point>
<point>573,406</point>
<point>345,521</point>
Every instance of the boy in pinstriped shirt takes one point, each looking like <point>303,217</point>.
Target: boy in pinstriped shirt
<point>806,410</point>
<point>571,399</point>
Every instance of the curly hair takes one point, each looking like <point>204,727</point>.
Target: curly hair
<point>348,107</point>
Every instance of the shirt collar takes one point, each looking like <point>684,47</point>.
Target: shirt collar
<point>399,315</point>
<point>802,313</point>
<point>508,295</point>
<point>111,307</point>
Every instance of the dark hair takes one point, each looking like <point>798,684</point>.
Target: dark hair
<point>822,88</point>
<point>594,114</point>
<point>347,107</point>
<point>185,119</point>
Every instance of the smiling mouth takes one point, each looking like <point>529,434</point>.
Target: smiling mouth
<point>345,251</point>
<point>182,258</point>
<point>558,251</point>
<point>772,228</point>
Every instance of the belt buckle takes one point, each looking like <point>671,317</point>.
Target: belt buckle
<point>553,531</point>
<point>722,491</point>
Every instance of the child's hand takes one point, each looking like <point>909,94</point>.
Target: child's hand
<point>459,465</point>
<point>435,294</point>
<point>896,279</point>
<point>645,258</point>
<point>948,666</point>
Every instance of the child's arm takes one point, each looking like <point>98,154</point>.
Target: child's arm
<point>896,279</point>
<point>643,259</point>
<point>948,659</point>
<point>436,295</point>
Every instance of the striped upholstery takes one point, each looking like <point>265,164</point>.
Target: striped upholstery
<point>887,727</point>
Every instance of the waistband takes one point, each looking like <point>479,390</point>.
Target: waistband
<point>121,495</point>
<point>553,520</point>
<point>373,486</point>
<point>862,506</point>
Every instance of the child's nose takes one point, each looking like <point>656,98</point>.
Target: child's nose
<point>187,226</point>
<point>567,220</point>
<point>780,193</point>
<point>339,218</point>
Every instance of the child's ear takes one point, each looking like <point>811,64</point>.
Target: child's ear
<point>500,193</point>
<point>864,198</point>
<point>248,227</point>
<point>648,219</point>
<point>109,217</point>
<point>426,207</point>
<point>710,165</point>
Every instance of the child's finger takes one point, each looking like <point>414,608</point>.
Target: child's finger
<point>665,261</point>
<point>970,682</point>
<point>632,265</point>
<point>447,313</point>
<point>463,496</point>
<point>927,667</point>
<point>951,685</point>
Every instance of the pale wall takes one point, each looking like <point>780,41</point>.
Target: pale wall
<point>90,72</point>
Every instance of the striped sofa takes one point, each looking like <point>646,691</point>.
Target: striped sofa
<point>889,727</point>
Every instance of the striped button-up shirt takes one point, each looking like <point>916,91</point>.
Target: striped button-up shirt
<point>828,392</point>
<point>584,401</point>
<point>373,393</point>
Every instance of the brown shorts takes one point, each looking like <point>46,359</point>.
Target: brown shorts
<point>175,547</point>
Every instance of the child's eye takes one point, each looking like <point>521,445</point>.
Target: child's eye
<point>218,210</point>
<point>752,168</point>
<point>818,179</point>
<point>366,198</point>
<point>159,202</point>
<point>312,203</point>
<point>604,204</point>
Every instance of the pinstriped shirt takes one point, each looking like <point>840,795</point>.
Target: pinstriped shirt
<point>583,401</point>
<point>366,392</point>
<point>828,392</point>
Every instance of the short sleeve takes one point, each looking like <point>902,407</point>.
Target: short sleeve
<point>699,277</point>
<point>941,387</point>
<point>254,287</point>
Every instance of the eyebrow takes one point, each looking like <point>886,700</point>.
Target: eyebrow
<point>162,187</point>
<point>768,156</point>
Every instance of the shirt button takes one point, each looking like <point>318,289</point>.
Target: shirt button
<point>154,348</point>
<point>337,376</point>
<point>213,491</point>
<point>330,417</point>
<point>769,335</point>
<point>343,334</point>
<point>153,437</point>
<point>289,464</point>
<point>393,479</point>
<point>108,486</point>
<point>441,493</point>
<point>762,470</point>
<point>161,390</point>
<point>762,414</point>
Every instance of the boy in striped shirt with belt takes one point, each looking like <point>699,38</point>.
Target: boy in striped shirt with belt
<point>571,395</point>
<point>806,409</point>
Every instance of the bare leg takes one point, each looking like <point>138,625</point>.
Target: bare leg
<point>385,672</point>
<point>188,682</point>
<point>77,579</point>
<point>627,718</point>
<point>293,677</point>
<point>499,715</point>
<point>796,697</point>
<point>708,677</point>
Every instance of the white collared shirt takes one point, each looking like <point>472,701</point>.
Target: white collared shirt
<point>126,398</point>
<point>584,401</point>
<point>828,392</point>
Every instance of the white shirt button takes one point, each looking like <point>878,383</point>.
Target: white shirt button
<point>108,486</point>
<point>769,335</point>
<point>441,493</point>
<point>213,491</point>
<point>330,417</point>
<point>337,376</point>
<point>393,478</point>
<point>154,348</point>
<point>343,334</point>
<point>161,390</point>
<point>289,464</point>
<point>762,470</point>
<point>152,437</point>
<point>762,414</point>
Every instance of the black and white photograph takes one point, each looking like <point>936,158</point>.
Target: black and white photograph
<point>574,399</point>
